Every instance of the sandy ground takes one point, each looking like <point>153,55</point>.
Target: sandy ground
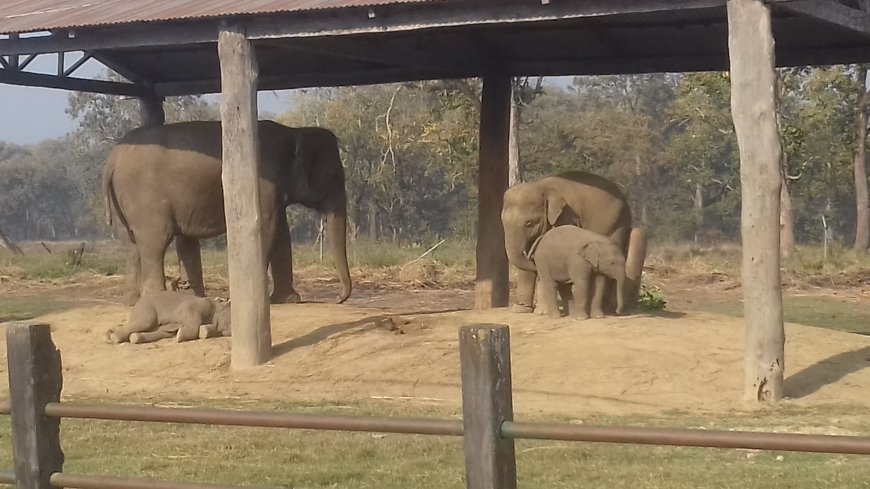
<point>376,349</point>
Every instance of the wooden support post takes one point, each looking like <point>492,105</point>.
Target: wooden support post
<point>492,288</point>
<point>484,354</point>
<point>151,110</point>
<point>251,339</point>
<point>34,380</point>
<point>753,108</point>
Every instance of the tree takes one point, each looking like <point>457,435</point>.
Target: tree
<point>862,201</point>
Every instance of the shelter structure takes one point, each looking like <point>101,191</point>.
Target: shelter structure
<point>177,47</point>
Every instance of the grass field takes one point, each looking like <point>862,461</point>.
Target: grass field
<point>309,459</point>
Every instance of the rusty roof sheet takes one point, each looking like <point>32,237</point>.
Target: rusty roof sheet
<point>19,16</point>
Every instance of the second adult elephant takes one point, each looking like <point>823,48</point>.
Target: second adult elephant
<point>165,181</point>
<point>577,198</point>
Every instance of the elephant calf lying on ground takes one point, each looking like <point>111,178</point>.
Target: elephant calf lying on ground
<point>568,254</point>
<point>166,314</point>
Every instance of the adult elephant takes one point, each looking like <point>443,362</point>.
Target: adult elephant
<point>579,198</point>
<point>165,181</point>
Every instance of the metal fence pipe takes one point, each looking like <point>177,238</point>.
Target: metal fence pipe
<point>7,477</point>
<point>59,479</point>
<point>417,426</point>
<point>689,438</point>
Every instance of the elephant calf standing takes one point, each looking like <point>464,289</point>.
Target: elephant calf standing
<point>568,254</point>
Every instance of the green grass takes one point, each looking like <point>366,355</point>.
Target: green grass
<point>44,266</point>
<point>22,308</point>
<point>317,459</point>
<point>810,311</point>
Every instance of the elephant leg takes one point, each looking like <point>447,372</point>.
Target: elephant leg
<point>580,275</point>
<point>191,261</point>
<point>548,300</point>
<point>566,295</point>
<point>151,252</point>
<point>150,336</point>
<point>142,318</point>
<point>132,280</point>
<point>281,262</point>
<point>599,288</point>
<point>524,301</point>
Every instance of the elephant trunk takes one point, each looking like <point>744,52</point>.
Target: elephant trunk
<point>620,294</point>
<point>516,253</point>
<point>336,232</point>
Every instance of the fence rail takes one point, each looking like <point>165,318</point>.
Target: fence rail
<point>487,425</point>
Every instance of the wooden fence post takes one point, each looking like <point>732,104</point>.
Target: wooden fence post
<point>35,379</point>
<point>484,353</point>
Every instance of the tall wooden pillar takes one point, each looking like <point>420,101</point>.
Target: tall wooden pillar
<point>251,338</point>
<point>753,108</point>
<point>151,110</point>
<point>491,289</point>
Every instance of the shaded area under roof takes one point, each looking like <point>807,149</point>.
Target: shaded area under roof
<point>168,47</point>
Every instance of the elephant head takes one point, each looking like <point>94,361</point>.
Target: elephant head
<point>316,180</point>
<point>606,258</point>
<point>529,211</point>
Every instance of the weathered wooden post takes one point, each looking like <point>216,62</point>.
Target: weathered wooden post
<point>753,108</point>
<point>484,354</point>
<point>249,291</point>
<point>492,288</point>
<point>151,110</point>
<point>34,380</point>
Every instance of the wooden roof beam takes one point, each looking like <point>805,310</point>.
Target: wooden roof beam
<point>309,80</point>
<point>365,50</point>
<point>387,18</point>
<point>66,83</point>
<point>828,11</point>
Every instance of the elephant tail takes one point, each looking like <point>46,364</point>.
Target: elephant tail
<point>113,207</point>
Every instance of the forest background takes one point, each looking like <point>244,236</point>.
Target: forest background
<point>410,155</point>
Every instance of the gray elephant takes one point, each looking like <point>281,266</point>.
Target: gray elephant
<point>569,254</point>
<point>164,181</point>
<point>577,198</point>
<point>166,314</point>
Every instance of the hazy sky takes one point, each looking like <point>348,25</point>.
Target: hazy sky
<point>29,115</point>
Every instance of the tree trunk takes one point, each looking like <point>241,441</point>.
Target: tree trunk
<point>698,209</point>
<point>516,171</point>
<point>786,221</point>
<point>862,201</point>
<point>491,287</point>
<point>9,245</point>
<point>249,287</point>
<point>753,108</point>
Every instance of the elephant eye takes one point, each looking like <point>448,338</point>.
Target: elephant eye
<point>529,224</point>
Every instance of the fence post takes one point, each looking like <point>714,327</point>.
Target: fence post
<point>484,355</point>
<point>34,379</point>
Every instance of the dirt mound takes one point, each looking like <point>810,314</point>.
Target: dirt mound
<point>642,364</point>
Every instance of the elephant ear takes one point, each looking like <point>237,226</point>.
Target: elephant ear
<point>592,254</point>
<point>555,205</point>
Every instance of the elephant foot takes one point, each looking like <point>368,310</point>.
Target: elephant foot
<point>580,317</point>
<point>136,338</point>
<point>597,314</point>
<point>522,308</point>
<point>113,337</point>
<point>208,331</point>
<point>131,298</point>
<point>289,298</point>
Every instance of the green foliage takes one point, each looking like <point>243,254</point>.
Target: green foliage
<point>410,154</point>
<point>650,298</point>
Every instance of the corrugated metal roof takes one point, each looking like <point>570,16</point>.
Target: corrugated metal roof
<point>18,16</point>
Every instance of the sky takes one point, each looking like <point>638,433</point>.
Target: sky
<point>29,115</point>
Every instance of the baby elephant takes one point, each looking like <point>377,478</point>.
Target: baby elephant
<point>166,314</point>
<point>569,254</point>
